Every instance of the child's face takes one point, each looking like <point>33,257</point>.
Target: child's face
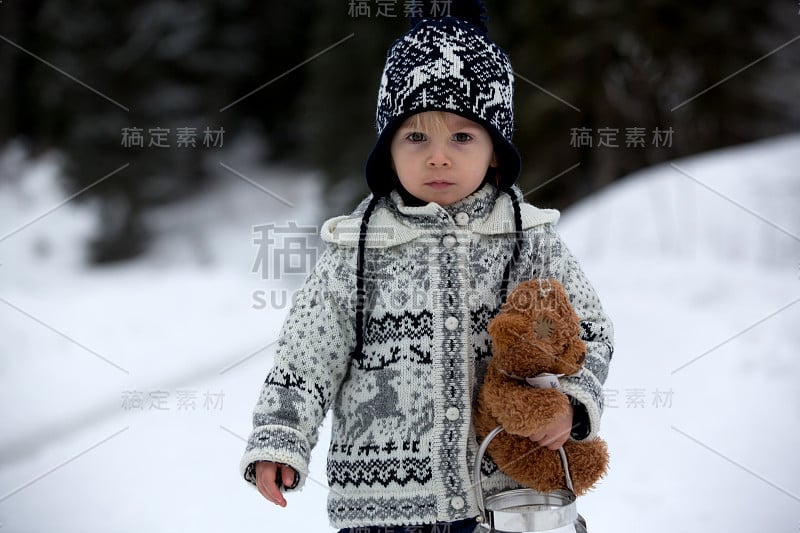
<point>442,166</point>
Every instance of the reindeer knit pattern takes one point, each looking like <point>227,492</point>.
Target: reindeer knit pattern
<point>449,65</point>
<point>445,64</point>
<point>403,443</point>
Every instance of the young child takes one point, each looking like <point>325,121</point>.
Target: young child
<point>390,328</point>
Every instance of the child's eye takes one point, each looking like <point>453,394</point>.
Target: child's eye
<point>462,137</point>
<point>415,137</point>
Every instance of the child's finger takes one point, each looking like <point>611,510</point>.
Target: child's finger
<point>554,442</point>
<point>275,495</point>
<point>551,443</point>
<point>538,437</point>
<point>288,476</point>
<point>263,470</point>
<point>267,486</point>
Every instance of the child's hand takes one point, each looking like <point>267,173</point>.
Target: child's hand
<point>555,434</point>
<point>267,476</point>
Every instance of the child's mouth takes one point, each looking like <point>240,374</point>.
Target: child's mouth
<point>439,184</point>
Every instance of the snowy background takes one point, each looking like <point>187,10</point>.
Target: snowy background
<point>126,392</point>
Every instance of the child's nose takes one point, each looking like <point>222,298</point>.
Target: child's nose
<point>438,157</point>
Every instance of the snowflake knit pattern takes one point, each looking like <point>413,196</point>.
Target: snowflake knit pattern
<point>402,442</point>
<point>445,64</point>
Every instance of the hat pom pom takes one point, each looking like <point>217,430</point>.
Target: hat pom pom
<point>472,11</point>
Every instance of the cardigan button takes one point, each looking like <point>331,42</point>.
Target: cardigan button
<point>457,502</point>
<point>462,219</point>
<point>449,241</point>
<point>452,413</point>
<point>451,323</point>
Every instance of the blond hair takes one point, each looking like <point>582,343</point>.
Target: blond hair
<point>433,121</point>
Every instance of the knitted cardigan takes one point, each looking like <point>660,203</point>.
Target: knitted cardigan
<point>403,442</point>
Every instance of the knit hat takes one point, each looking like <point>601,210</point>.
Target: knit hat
<point>449,64</point>
<point>446,63</point>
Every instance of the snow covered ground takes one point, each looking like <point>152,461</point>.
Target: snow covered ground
<point>126,392</point>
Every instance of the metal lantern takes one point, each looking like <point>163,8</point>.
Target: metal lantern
<point>527,510</point>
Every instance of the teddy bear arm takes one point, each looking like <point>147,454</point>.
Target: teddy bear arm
<point>523,410</point>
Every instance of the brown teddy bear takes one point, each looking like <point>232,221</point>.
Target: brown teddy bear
<point>536,332</point>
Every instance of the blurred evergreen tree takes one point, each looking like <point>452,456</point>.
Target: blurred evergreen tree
<point>632,65</point>
<point>613,68</point>
<point>17,103</point>
<point>175,64</point>
<point>165,67</point>
<point>337,107</point>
